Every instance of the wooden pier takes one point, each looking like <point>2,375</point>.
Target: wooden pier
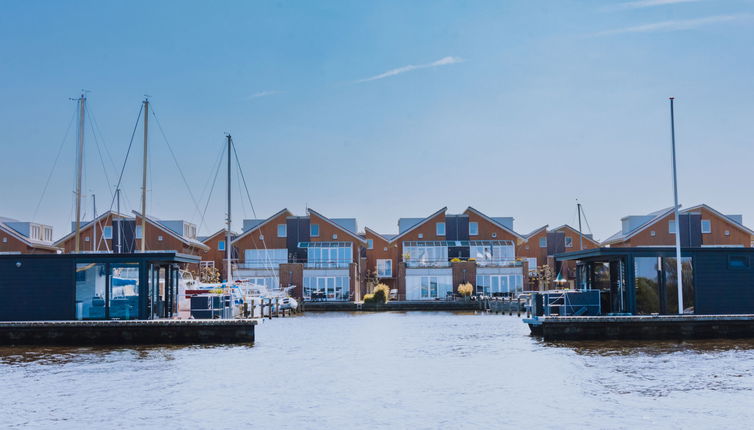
<point>135,332</point>
<point>650,327</point>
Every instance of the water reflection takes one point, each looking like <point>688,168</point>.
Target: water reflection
<point>382,370</point>
<point>633,347</point>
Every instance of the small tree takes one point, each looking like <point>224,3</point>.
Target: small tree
<point>465,289</point>
<point>380,294</point>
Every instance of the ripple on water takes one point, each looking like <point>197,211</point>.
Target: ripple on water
<point>404,370</point>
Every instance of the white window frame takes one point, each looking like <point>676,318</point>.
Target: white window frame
<point>370,244</point>
<point>708,223</point>
<point>282,228</point>
<point>138,233</point>
<point>671,226</point>
<point>543,242</point>
<point>568,242</point>
<point>264,258</point>
<point>107,232</point>
<point>221,245</point>
<point>440,229</point>
<point>475,230</point>
<point>386,271</point>
<point>313,227</point>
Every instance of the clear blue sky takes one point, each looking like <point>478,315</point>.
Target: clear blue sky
<point>384,109</point>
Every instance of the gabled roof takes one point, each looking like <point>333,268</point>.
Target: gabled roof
<point>385,237</point>
<point>497,223</point>
<point>192,242</point>
<point>721,215</point>
<point>336,225</point>
<point>34,243</point>
<point>655,217</point>
<point>536,231</point>
<point>588,237</point>
<point>422,221</point>
<point>204,239</point>
<point>257,226</point>
<point>87,224</point>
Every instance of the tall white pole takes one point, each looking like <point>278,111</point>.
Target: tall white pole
<point>79,170</point>
<point>679,263</point>
<point>144,179</point>
<point>227,232</point>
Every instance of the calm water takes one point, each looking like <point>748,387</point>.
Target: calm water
<point>389,370</point>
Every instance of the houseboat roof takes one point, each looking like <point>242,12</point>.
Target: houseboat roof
<point>647,251</point>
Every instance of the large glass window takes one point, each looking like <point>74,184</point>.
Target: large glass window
<point>124,291</point>
<point>428,287</point>
<point>671,284</point>
<point>326,288</point>
<point>328,256</point>
<point>384,268</point>
<point>492,254</point>
<point>489,285</point>
<point>647,285</point>
<point>426,256</point>
<point>91,283</point>
<point>264,258</point>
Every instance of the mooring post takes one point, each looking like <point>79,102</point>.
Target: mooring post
<point>518,307</point>
<point>270,308</point>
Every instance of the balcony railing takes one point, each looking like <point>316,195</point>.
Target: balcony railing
<point>319,264</point>
<point>446,263</point>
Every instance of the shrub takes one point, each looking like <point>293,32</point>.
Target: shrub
<point>465,289</point>
<point>381,294</point>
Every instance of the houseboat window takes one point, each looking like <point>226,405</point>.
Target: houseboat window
<point>314,230</point>
<point>671,226</point>
<point>124,291</point>
<point>738,262</point>
<point>90,291</point>
<point>647,285</point>
<point>107,232</point>
<point>671,284</point>
<point>568,242</point>
<point>384,268</point>
<point>473,228</point>
<point>706,226</point>
<point>221,245</point>
<point>282,230</point>
<point>543,242</point>
<point>440,229</point>
<point>138,232</point>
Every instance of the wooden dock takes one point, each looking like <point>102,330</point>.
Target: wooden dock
<point>640,327</point>
<point>134,332</point>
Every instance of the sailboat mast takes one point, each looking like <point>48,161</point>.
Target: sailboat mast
<point>94,226</point>
<point>581,235</point>
<point>120,224</point>
<point>79,170</point>
<point>227,232</point>
<point>679,263</point>
<point>144,179</point>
